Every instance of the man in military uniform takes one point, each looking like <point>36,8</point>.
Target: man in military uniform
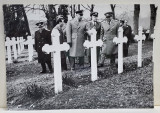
<point>61,27</point>
<point>42,37</point>
<point>97,26</point>
<point>109,30</point>
<point>75,31</point>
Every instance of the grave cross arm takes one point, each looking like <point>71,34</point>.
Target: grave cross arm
<point>53,48</point>
<point>140,37</point>
<point>93,42</point>
<point>120,39</point>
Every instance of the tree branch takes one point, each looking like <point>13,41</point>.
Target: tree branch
<point>85,7</point>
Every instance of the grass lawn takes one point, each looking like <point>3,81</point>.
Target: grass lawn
<point>131,89</point>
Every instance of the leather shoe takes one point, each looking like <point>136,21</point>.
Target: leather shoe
<point>51,71</point>
<point>42,72</point>
<point>100,65</point>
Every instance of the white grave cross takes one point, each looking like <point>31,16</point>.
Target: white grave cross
<point>8,43</point>
<point>56,48</point>
<point>93,45</point>
<point>14,42</point>
<point>120,40</point>
<point>139,38</point>
<point>30,43</point>
<point>18,45</point>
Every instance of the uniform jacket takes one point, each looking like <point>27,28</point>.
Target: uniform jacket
<point>108,32</point>
<point>40,40</point>
<point>76,34</point>
<point>97,26</point>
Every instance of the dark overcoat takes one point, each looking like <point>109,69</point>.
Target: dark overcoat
<point>40,40</point>
<point>108,32</point>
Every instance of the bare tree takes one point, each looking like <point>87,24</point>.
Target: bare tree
<point>136,18</point>
<point>88,7</point>
<point>15,21</point>
<point>51,13</point>
<point>152,18</point>
<point>79,6</point>
<point>73,10</point>
<point>113,9</point>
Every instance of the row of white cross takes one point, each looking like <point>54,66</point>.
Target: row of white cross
<point>18,47</point>
<point>56,48</point>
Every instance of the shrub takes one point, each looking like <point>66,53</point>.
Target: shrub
<point>34,91</point>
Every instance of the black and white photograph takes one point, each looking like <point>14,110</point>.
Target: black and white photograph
<point>79,56</point>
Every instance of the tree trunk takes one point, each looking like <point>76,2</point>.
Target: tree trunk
<point>152,18</point>
<point>136,18</point>
<point>26,21</point>
<point>73,11</point>
<point>113,9</point>
<point>51,17</point>
<point>92,8</point>
<point>79,7</point>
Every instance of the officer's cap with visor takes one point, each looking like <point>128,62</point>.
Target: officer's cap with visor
<point>108,14</point>
<point>94,14</point>
<point>80,12</point>
<point>40,23</point>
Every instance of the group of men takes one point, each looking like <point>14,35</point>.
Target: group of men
<point>75,32</point>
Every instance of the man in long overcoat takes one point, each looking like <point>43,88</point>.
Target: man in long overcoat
<point>61,27</point>
<point>109,30</point>
<point>75,31</point>
<point>42,37</point>
<point>97,26</point>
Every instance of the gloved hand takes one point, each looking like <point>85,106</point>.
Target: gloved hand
<point>70,44</point>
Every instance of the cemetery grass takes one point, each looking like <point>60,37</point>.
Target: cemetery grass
<point>131,89</point>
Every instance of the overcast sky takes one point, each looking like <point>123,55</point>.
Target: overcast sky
<point>101,9</point>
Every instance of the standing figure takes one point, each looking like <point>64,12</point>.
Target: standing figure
<point>42,37</point>
<point>109,30</point>
<point>128,33</point>
<point>75,31</point>
<point>97,26</point>
<point>61,26</point>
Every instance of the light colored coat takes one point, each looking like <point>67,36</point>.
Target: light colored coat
<point>76,35</point>
<point>108,32</point>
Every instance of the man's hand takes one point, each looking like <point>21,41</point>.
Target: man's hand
<point>104,39</point>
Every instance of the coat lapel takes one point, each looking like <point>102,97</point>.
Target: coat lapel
<point>76,22</point>
<point>107,25</point>
<point>111,24</point>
